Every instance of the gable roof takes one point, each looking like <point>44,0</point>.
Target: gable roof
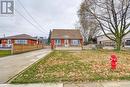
<point>20,36</point>
<point>66,34</point>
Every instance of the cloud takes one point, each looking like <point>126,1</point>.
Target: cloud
<point>49,14</point>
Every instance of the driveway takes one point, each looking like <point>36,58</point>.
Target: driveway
<point>12,65</point>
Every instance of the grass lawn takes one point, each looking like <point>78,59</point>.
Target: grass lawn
<point>5,53</point>
<point>83,66</point>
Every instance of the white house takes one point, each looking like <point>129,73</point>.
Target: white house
<point>103,40</point>
<point>126,40</point>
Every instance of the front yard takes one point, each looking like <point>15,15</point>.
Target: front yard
<point>80,66</point>
<point>5,53</point>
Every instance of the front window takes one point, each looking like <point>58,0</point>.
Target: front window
<point>20,41</point>
<point>75,42</point>
<point>58,42</point>
<point>127,42</point>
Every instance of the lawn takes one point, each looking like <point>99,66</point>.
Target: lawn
<point>80,66</point>
<point>5,53</point>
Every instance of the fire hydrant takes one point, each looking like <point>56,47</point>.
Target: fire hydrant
<point>113,61</point>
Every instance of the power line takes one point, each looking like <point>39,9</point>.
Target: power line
<point>28,21</point>
<point>30,15</point>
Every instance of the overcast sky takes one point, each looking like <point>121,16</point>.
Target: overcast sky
<point>50,14</point>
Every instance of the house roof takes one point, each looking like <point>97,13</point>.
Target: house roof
<point>66,34</point>
<point>20,36</point>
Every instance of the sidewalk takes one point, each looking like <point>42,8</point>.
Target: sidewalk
<point>101,84</point>
<point>93,84</point>
<point>32,85</point>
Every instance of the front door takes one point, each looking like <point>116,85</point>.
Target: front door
<point>66,43</point>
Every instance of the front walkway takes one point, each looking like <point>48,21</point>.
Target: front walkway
<point>12,65</point>
<point>90,84</point>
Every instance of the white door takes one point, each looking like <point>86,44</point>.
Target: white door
<point>66,43</point>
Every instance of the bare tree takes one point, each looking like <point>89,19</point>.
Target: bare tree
<point>113,16</point>
<point>89,26</point>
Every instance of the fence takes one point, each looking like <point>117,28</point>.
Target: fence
<point>17,48</point>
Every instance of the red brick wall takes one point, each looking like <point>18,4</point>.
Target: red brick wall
<point>30,42</point>
<point>52,43</point>
<point>81,41</point>
<point>62,42</point>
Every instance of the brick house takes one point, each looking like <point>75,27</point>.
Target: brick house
<point>66,38</point>
<point>18,39</point>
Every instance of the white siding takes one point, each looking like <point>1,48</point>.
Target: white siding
<point>101,39</point>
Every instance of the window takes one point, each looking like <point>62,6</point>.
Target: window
<point>75,42</point>
<point>127,42</point>
<point>58,42</point>
<point>20,41</point>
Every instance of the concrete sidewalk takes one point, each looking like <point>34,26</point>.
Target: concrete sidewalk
<point>33,85</point>
<point>12,65</point>
<point>101,84</point>
<point>90,84</point>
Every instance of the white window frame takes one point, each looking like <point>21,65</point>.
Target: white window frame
<point>58,42</point>
<point>20,41</point>
<point>75,42</point>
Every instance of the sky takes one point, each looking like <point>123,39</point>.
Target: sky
<point>49,14</point>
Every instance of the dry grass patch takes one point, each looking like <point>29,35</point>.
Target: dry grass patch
<point>82,66</point>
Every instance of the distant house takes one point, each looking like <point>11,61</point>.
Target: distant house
<point>103,40</point>
<point>18,39</point>
<point>66,38</point>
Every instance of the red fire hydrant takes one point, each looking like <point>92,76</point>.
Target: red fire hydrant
<point>113,61</point>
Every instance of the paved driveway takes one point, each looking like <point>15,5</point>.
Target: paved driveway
<point>12,65</point>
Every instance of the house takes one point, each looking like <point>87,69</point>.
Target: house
<point>126,41</point>
<point>66,38</point>
<point>18,39</point>
<point>103,40</point>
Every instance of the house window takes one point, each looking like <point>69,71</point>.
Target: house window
<point>58,42</point>
<point>127,42</point>
<point>75,42</point>
<point>20,41</point>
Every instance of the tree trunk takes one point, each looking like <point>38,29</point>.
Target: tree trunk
<point>118,44</point>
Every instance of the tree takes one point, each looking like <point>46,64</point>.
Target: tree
<point>89,26</point>
<point>49,38</point>
<point>112,16</point>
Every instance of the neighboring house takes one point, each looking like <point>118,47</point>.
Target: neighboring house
<point>42,40</point>
<point>103,40</point>
<point>18,39</point>
<point>126,40</point>
<point>66,38</point>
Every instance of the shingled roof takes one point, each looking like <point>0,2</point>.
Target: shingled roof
<point>66,34</point>
<point>20,36</point>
